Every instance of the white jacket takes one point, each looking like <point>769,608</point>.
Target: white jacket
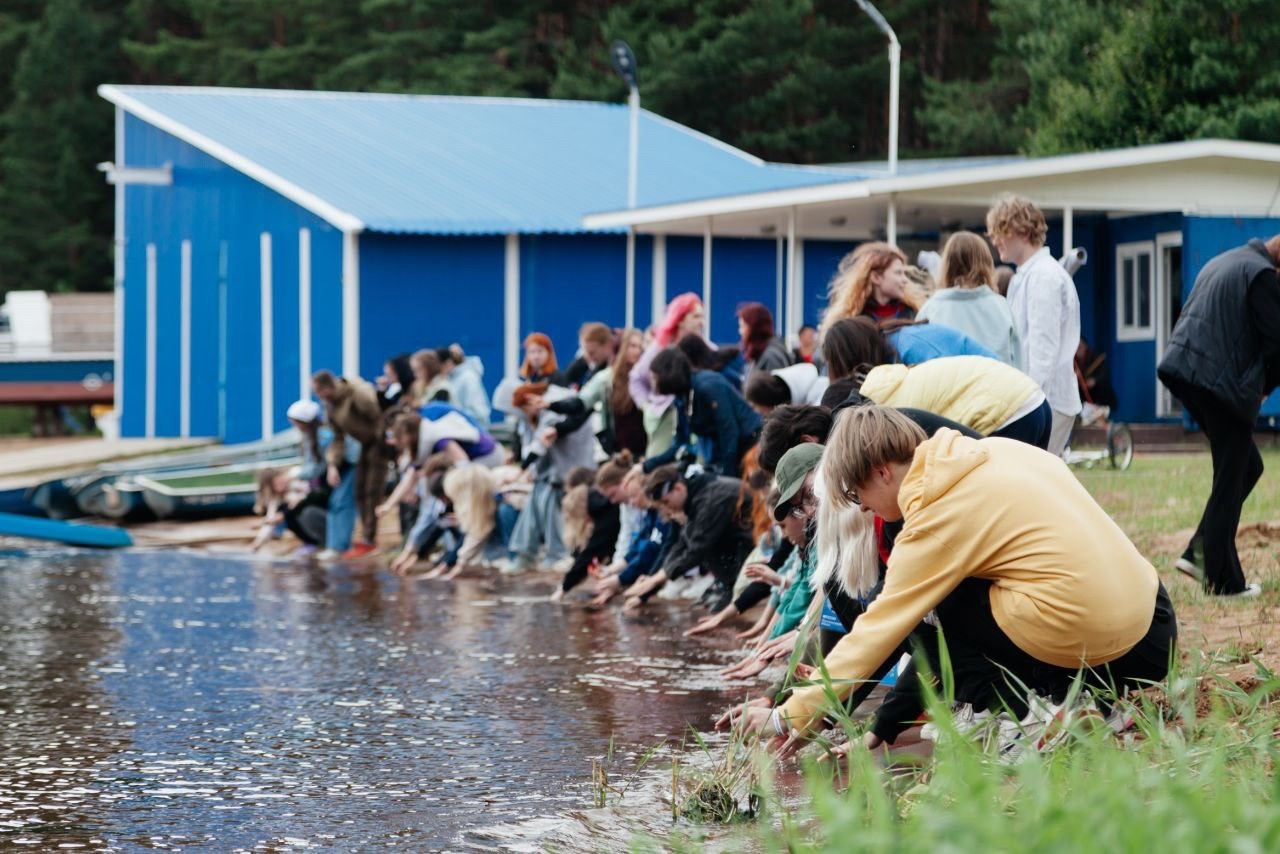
<point>805,385</point>
<point>1046,317</point>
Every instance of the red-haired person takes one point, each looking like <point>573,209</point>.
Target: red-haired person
<point>763,350</point>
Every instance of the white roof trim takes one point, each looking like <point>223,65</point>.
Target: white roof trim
<point>1146,155</point>
<point>338,218</point>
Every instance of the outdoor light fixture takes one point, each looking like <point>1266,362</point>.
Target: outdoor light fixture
<point>624,62</point>
<point>895,62</point>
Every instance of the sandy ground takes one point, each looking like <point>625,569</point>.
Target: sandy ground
<point>1232,634</point>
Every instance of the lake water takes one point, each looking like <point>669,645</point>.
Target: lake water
<point>158,700</point>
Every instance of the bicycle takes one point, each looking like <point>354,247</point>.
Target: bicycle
<point>1118,451</point>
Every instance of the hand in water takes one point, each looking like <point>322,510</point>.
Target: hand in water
<point>758,720</point>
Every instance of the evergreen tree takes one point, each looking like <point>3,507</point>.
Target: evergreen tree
<point>55,214</point>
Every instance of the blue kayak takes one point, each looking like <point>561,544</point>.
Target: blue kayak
<point>71,533</point>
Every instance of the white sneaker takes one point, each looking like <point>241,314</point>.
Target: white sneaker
<point>1189,569</point>
<point>507,566</point>
<point>562,565</point>
<point>1253,591</point>
<point>966,721</point>
<point>328,555</point>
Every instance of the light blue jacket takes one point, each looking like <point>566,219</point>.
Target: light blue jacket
<point>980,313</point>
<point>466,382</point>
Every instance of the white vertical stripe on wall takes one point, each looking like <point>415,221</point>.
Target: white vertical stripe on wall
<point>779,318</point>
<point>151,341</point>
<point>350,303</point>
<point>304,313</point>
<point>630,314</point>
<point>659,296</point>
<point>118,369</point>
<point>184,369</point>
<point>264,288</point>
<point>706,276</point>
<point>511,307</point>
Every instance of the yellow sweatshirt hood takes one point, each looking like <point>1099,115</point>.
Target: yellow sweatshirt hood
<point>940,465</point>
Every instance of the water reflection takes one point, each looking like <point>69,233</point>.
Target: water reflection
<point>187,700</point>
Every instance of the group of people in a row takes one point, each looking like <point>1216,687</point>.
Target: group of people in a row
<point>899,479</point>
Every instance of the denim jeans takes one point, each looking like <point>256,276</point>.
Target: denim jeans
<point>342,513</point>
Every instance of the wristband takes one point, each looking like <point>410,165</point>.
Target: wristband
<point>779,725</point>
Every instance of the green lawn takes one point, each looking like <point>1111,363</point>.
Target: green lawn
<point>233,478</point>
<point>1197,773</point>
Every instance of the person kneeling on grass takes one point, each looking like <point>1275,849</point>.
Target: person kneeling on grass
<point>1034,585</point>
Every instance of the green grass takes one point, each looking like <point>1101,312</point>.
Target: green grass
<point>204,481</point>
<point>1197,773</point>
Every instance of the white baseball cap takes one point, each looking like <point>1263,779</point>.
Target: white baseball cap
<point>305,411</point>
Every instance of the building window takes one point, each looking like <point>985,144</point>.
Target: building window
<point>1135,284</point>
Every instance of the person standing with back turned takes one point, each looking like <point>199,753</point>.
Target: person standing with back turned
<point>1223,359</point>
<point>1046,310</point>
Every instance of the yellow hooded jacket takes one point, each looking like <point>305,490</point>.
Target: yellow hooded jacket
<point>1068,587</point>
<point>975,391</point>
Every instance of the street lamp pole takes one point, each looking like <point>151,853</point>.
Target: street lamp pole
<point>624,62</point>
<point>895,65</point>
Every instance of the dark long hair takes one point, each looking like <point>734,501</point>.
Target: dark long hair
<point>855,344</point>
<point>702,357</point>
<point>759,321</point>
<point>672,372</point>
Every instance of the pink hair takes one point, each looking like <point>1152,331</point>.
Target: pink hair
<point>665,335</point>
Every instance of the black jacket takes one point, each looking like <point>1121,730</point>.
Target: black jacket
<point>606,522</point>
<point>717,535</point>
<point>1220,343</point>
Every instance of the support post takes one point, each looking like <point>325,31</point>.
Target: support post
<point>511,307</point>
<point>706,274</point>
<point>351,303</point>
<point>1068,229</point>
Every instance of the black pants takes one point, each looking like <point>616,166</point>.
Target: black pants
<point>309,517</point>
<point>991,671</point>
<point>1237,465</point>
<point>1033,428</point>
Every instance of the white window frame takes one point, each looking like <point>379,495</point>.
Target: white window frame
<point>1166,405</point>
<point>1124,252</point>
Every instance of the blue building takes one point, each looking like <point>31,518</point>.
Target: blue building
<point>262,235</point>
<point>1149,218</point>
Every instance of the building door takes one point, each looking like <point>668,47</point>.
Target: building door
<point>1168,308</point>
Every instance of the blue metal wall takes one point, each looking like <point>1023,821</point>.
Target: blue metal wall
<point>1205,237</point>
<point>222,212</point>
<point>421,291</point>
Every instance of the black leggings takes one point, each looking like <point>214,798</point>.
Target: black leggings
<point>992,671</point>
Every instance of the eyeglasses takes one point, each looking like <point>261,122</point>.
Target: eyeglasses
<point>852,495</point>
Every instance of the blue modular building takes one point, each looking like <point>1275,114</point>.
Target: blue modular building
<point>264,234</point>
<point>1149,217</point>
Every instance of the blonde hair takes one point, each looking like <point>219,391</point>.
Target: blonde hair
<point>577,521</point>
<point>614,470</point>
<point>1015,216</point>
<point>847,548</point>
<point>850,287</point>
<point>266,492</point>
<point>967,262</point>
<point>862,439</point>
<point>470,488</point>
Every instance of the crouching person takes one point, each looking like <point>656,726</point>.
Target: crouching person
<point>1033,584</point>
<point>715,534</point>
